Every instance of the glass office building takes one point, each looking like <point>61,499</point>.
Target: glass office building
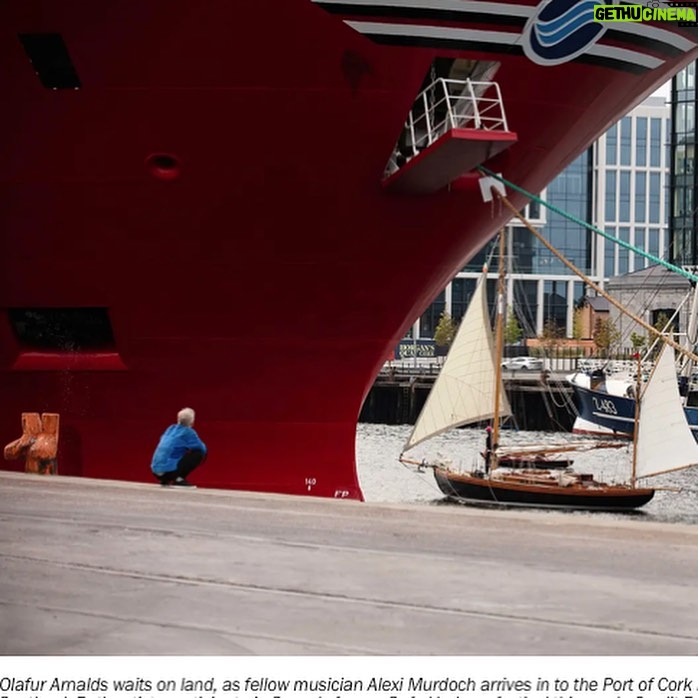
<point>683,218</point>
<point>632,167</point>
<point>620,185</point>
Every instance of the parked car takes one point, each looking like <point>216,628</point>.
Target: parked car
<point>526,363</point>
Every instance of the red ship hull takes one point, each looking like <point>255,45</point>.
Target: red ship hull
<point>266,282</point>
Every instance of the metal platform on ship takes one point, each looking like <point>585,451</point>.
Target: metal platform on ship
<point>102,567</point>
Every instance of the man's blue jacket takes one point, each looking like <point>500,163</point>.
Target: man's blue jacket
<point>174,443</point>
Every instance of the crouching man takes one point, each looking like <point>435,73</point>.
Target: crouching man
<point>179,452</point>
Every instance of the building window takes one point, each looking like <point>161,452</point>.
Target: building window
<point>611,144</point>
<point>640,196</point>
<point>533,211</point>
<point>655,142</point>
<point>523,250</point>
<point>555,300</point>
<point>626,125</point>
<point>681,118</point>
<point>485,253</point>
<point>681,79</point>
<point>665,315</point>
<point>680,159</point>
<point>679,202</point>
<point>655,195</point>
<point>689,201</point>
<point>432,315</point>
<point>526,302</point>
<point>623,252</point>
<point>610,209</point>
<point>609,254</point>
<point>690,120</point>
<point>461,292</point>
<point>667,141</point>
<point>641,143</point>
<point>641,242</point>
<point>624,199</point>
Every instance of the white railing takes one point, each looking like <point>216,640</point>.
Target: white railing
<point>445,105</point>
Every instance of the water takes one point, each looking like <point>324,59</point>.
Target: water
<point>384,479</point>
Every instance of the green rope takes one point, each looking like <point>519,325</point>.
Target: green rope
<point>608,236</point>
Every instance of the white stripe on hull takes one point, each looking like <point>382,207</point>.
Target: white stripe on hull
<point>421,31</point>
<point>514,10</point>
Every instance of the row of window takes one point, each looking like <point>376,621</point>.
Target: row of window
<point>686,79</point>
<point>617,259</point>
<point>683,202</point>
<point>683,209</point>
<point>684,159</point>
<point>685,118</point>
<point>619,195</point>
<point>525,303</point>
<point>648,142</point>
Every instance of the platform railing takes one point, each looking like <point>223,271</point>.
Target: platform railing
<point>445,105</point>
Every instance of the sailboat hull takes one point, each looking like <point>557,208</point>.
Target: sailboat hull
<point>540,491</point>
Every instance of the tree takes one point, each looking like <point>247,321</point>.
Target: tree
<point>637,340</point>
<point>578,323</point>
<point>512,331</point>
<point>606,334</point>
<point>552,333</point>
<point>661,324</point>
<point>445,330</point>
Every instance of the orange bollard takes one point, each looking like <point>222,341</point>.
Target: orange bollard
<point>38,443</point>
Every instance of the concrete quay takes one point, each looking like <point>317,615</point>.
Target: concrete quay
<point>95,567</point>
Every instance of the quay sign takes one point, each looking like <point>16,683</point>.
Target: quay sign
<point>426,349</point>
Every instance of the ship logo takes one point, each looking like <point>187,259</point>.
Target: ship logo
<point>561,30</point>
<point>549,34</point>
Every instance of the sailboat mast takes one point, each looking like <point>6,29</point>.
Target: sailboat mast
<point>636,428</point>
<point>499,347</point>
<point>691,333</point>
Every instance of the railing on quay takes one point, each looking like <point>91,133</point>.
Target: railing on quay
<point>620,364</point>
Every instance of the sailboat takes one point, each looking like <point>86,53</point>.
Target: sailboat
<point>469,390</point>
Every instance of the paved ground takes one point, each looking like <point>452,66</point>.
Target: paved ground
<point>98,567</point>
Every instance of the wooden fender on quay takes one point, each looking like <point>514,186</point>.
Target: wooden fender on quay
<point>38,443</point>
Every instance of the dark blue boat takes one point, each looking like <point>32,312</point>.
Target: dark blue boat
<point>600,410</point>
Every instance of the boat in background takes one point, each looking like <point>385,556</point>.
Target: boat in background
<point>606,405</point>
<point>604,391</point>
<point>217,205</point>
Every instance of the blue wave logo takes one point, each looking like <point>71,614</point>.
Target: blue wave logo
<point>561,30</point>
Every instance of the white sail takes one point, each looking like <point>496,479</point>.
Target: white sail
<point>664,441</point>
<point>464,391</point>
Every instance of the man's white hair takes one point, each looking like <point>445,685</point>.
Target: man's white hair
<point>186,416</point>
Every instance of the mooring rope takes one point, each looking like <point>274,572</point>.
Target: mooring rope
<point>648,255</point>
